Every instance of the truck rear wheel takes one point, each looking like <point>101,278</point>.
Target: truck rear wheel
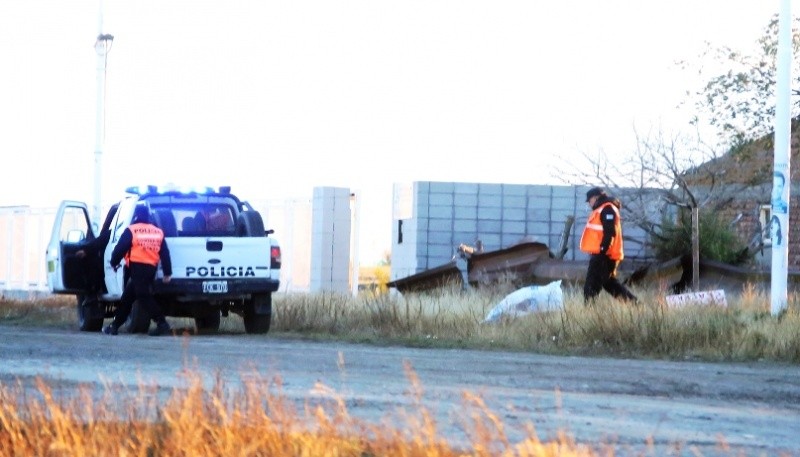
<point>90,316</point>
<point>257,314</point>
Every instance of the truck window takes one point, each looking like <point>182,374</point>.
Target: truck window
<point>195,219</point>
<point>74,221</point>
<point>120,223</point>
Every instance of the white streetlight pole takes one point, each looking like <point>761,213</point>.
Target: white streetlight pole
<point>102,46</point>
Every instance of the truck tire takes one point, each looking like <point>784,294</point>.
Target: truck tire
<point>138,320</point>
<point>208,323</point>
<point>250,223</point>
<point>90,316</point>
<point>257,314</point>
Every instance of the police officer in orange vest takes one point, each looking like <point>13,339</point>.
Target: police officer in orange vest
<point>602,240</point>
<point>142,245</point>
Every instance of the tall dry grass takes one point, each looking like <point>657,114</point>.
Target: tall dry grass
<point>450,317</point>
<point>253,419</point>
<point>54,310</point>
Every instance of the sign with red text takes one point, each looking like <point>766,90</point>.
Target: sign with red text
<point>710,297</point>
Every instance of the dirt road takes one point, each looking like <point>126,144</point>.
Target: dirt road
<point>680,406</point>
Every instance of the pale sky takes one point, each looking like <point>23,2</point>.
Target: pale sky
<point>274,98</point>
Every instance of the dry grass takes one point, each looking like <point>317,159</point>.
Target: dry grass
<point>745,330</point>
<point>55,310</point>
<point>251,420</point>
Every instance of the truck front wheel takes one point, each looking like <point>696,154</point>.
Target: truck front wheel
<point>257,314</point>
<point>90,314</point>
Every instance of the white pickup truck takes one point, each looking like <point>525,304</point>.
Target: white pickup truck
<point>223,260</point>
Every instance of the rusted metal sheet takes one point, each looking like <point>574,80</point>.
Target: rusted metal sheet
<point>429,279</point>
<point>524,263</point>
<point>514,262</point>
<point>528,262</point>
<point>532,263</point>
<point>549,270</point>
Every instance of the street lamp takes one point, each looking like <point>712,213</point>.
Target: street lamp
<point>102,46</point>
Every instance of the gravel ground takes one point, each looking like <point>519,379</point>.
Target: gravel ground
<point>681,408</point>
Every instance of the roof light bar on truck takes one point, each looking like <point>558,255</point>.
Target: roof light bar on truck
<point>171,188</point>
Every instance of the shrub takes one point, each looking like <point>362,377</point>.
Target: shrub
<point>717,239</point>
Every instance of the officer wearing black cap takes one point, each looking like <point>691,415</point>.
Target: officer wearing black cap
<point>602,240</point>
<point>142,245</point>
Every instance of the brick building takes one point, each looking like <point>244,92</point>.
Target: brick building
<point>745,182</point>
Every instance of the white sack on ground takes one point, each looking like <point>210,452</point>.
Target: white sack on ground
<point>529,299</point>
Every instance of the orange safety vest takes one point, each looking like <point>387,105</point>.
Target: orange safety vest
<point>146,244</point>
<point>593,234</point>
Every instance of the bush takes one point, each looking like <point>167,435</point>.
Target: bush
<point>717,239</point>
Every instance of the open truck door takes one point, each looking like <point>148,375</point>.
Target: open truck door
<point>117,220</point>
<point>71,229</point>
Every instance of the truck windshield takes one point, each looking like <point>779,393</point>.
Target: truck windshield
<point>194,219</point>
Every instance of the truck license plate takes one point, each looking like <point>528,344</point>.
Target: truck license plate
<point>215,287</point>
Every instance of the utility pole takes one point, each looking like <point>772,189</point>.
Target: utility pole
<point>101,46</point>
<point>695,249</point>
<point>779,223</point>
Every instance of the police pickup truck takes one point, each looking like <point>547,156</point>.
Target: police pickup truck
<point>223,260</point>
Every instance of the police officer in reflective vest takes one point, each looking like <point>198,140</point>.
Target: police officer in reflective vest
<point>142,245</point>
<point>602,240</point>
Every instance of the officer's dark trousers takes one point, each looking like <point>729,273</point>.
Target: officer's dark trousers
<point>602,274</point>
<point>139,288</point>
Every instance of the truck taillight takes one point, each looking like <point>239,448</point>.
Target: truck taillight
<point>275,257</point>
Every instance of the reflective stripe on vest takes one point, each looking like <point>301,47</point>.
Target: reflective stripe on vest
<point>146,244</point>
<point>593,234</point>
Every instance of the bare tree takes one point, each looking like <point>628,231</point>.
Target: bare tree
<point>662,174</point>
